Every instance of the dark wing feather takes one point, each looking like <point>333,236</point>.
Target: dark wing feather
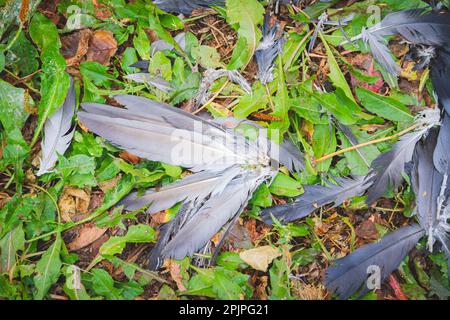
<point>426,181</point>
<point>442,152</point>
<point>211,217</point>
<point>186,6</point>
<point>381,52</point>
<point>417,27</point>
<point>349,274</point>
<point>291,157</point>
<point>440,76</point>
<point>316,197</point>
<point>387,170</point>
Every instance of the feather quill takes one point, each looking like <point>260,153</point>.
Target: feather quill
<point>57,132</point>
<point>348,275</point>
<point>317,196</point>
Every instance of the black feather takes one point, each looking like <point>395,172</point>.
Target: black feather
<point>349,274</point>
<point>440,76</point>
<point>315,197</point>
<point>442,152</point>
<point>186,6</point>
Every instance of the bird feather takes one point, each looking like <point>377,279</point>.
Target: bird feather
<point>317,196</point>
<point>349,274</point>
<point>57,133</point>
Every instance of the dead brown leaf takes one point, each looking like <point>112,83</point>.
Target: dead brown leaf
<point>72,203</point>
<point>87,235</point>
<point>175,273</point>
<point>75,46</point>
<point>367,230</point>
<point>260,258</point>
<point>102,47</point>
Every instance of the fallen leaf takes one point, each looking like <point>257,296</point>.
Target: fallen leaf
<point>88,234</point>
<point>175,273</point>
<point>75,46</point>
<point>102,47</point>
<point>109,184</point>
<point>260,258</point>
<point>73,201</point>
<point>367,230</point>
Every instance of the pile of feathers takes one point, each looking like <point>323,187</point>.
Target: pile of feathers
<point>231,167</point>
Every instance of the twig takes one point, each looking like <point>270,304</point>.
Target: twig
<point>212,98</point>
<point>365,144</point>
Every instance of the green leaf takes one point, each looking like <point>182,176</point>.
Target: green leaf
<point>251,102</point>
<point>9,245</point>
<point>206,56</point>
<point>324,142</point>
<point>12,106</point>
<point>73,286</point>
<point>136,234</point>
<point>141,43</point>
<point>48,269</point>
<point>285,186</point>
<point>249,15</point>
<point>279,280</point>
<point>336,75</point>
<point>103,284</point>
<point>385,107</point>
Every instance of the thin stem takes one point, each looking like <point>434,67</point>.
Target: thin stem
<point>365,144</point>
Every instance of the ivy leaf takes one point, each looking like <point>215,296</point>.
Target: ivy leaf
<point>48,269</point>
<point>206,56</point>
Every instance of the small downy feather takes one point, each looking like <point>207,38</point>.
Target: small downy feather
<point>348,275</point>
<point>381,52</point>
<point>387,170</point>
<point>186,6</point>
<point>268,50</point>
<point>57,132</point>
<point>441,156</point>
<point>317,196</point>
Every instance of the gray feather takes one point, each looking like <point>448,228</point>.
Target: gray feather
<point>348,275</point>
<point>212,216</point>
<point>186,6</point>
<point>381,52</point>
<point>416,26</point>
<point>426,182</point>
<point>442,151</point>
<point>387,170</point>
<point>192,188</point>
<point>440,76</point>
<point>57,133</point>
<point>157,82</point>
<point>315,197</point>
<point>270,47</point>
<point>291,157</point>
